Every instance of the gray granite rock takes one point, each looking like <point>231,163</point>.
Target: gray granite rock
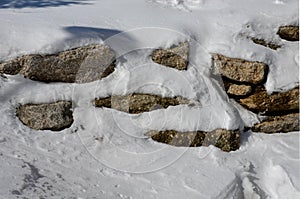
<point>239,90</point>
<point>138,103</point>
<point>278,124</point>
<point>83,64</point>
<point>265,43</point>
<point>261,102</point>
<point>289,33</point>
<point>239,69</point>
<point>226,140</point>
<point>49,116</point>
<point>174,57</point>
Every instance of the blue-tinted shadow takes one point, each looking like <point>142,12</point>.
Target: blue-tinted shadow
<point>80,32</point>
<point>18,4</point>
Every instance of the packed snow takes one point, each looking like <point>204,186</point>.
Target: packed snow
<point>122,162</point>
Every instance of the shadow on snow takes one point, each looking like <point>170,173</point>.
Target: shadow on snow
<point>39,3</point>
<point>80,32</point>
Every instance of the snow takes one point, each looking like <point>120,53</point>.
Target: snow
<point>121,162</point>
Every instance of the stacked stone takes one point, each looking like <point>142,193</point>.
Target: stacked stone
<point>227,140</point>
<point>243,81</point>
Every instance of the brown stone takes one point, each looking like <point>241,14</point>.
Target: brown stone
<point>174,57</point>
<point>278,124</point>
<point>289,33</point>
<point>138,103</point>
<point>239,69</point>
<point>263,42</point>
<point>239,90</point>
<point>49,116</point>
<point>261,102</point>
<point>83,64</point>
<point>226,140</point>
<point>12,67</point>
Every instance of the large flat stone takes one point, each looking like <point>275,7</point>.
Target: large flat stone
<point>49,116</point>
<point>278,124</point>
<point>175,57</point>
<point>138,103</point>
<point>261,102</point>
<point>226,140</point>
<point>239,69</point>
<point>83,64</point>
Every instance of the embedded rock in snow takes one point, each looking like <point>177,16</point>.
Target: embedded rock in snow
<point>239,90</point>
<point>277,124</point>
<point>52,116</point>
<point>13,67</point>
<point>138,103</point>
<point>265,43</point>
<point>83,64</point>
<point>289,33</point>
<point>261,102</point>
<point>239,69</point>
<point>175,57</point>
<point>226,140</point>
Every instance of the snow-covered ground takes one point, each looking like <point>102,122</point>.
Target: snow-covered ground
<point>122,163</point>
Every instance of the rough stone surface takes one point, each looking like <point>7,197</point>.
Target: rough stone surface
<point>265,43</point>
<point>138,103</point>
<point>239,90</point>
<point>12,67</point>
<point>278,124</point>
<point>226,140</point>
<point>53,116</point>
<point>261,102</point>
<point>239,69</point>
<point>289,33</point>
<point>84,64</point>
<point>175,57</point>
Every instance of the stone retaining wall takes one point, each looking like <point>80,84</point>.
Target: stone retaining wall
<point>243,81</point>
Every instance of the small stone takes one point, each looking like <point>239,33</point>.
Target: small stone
<point>226,140</point>
<point>289,33</point>
<point>265,43</point>
<point>239,90</point>
<point>174,57</point>
<point>278,124</point>
<point>138,103</point>
<point>81,65</point>
<point>49,116</point>
<point>239,69</point>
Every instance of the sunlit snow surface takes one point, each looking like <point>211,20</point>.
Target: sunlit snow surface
<point>121,162</point>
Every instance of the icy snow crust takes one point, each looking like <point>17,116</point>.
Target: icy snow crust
<point>105,153</point>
